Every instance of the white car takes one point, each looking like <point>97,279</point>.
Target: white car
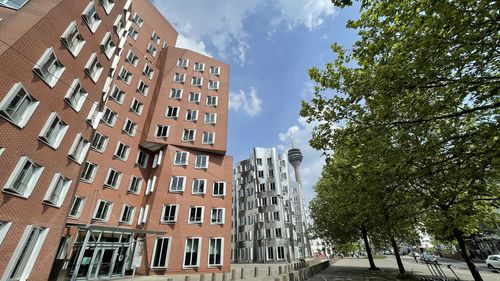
<point>493,262</point>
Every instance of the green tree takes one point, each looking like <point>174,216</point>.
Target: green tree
<point>427,72</point>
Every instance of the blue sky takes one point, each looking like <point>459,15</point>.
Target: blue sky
<point>269,45</point>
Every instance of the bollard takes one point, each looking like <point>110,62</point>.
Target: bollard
<point>233,274</point>
<point>224,276</point>
<point>269,271</point>
<point>256,272</point>
<point>280,270</point>
<point>202,277</point>
<point>187,278</point>
<point>242,273</point>
<point>213,276</point>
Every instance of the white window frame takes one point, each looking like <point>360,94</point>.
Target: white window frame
<point>204,181</point>
<point>181,154</point>
<point>115,181</point>
<point>101,140</point>
<point>155,37</point>
<point>208,118</point>
<point>76,42</point>
<point>133,33</point>
<point>172,112</point>
<point>224,186</point>
<point>129,127</point>
<point>198,251</point>
<point>85,171</point>
<point>215,70</point>
<point>14,177</point>
<point>150,49</point>
<point>208,138</point>
<point>30,253</point>
<point>54,185</point>
<point>4,229</point>
<point>148,71</point>
<point>132,58</point>
<point>108,210</point>
<point>167,254</point>
<point>183,63</point>
<point>142,88</point>
<point>179,77</point>
<point>201,218</point>
<point>221,241</point>
<point>138,182</point>
<point>130,216</point>
<point>197,81</point>
<point>47,128</point>
<point>118,25</point>
<point>217,210</point>
<point>198,165</point>
<point>176,94</point>
<point>76,90</point>
<point>137,19</point>
<point>213,84</point>
<point>117,94</point>
<point>136,109</point>
<point>108,46</point>
<point>81,201</point>
<point>29,109</point>
<point>199,67</point>
<point>162,127</point>
<point>123,149</point>
<point>210,100</point>
<point>145,159</point>
<point>176,178</point>
<point>188,135</point>
<point>194,94</point>
<point>78,158</point>
<point>125,75</point>
<point>191,115</point>
<point>111,117</point>
<point>163,211</point>
<point>91,19</point>
<point>107,5</point>
<point>50,77</point>
<point>93,68</point>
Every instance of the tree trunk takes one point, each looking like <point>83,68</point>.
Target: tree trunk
<point>465,254</point>
<point>401,267</point>
<point>368,249</point>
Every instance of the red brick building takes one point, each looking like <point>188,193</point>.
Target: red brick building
<point>112,144</point>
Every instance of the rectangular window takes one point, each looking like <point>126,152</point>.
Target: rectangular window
<point>79,149</point>
<point>198,66</point>
<point>208,138</point>
<point>49,68</point>
<point>99,142</point>
<point>53,131</point>
<point>194,97</point>
<point>72,39</point>
<point>215,251</point>
<point>217,216</point>
<point>127,215</point>
<point>148,71</point>
<point>260,174</point>
<point>23,179</point>
<point>214,70</point>
<point>129,127</point>
<point>133,33</point>
<point>182,63</point>
<point>89,171</point>
<point>117,94</point>
<point>196,214</point>
<point>177,183</point>
<point>211,101</point>
<point>122,151</point>
<point>181,158</point>
<point>192,252</point>
<point>155,37</point>
<point>57,190</point>
<point>136,106</point>
<point>142,159</point>
<point>176,94</point>
<point>210,118</point>
<point>107,5</point>
<point>102,210</point>
<point>201,162</point>
<point>107,45</point>
<point>132,58</point>
<point>151,49</point>
<point>142,88</point>
<point>4,228</point>
<point>125,75</point>
<point>270,253</point>
<point>160,253</point>
<point>26,253</point>
<point>188,135</point>
<point>172,112</point>
<point>76,95</point>
<point>169,214</point>
<point>76,207</point>
<point>179,77</point>
<point>197,81</point>
<point>109,117</point>
<point>138,20</point>
<point>276,216</point>
<point>91,17</point>
<point>219,188</point>
<point>135,185</point>
<point>259,161</point>
<point>199,186</point>
<point>118,26</point>
<point>191,115</point>
<point>161,131</point>
<point>272,186</point>
<point>281,252</point>
<point>113,179</point>
<point>278,233</point>
<point>213,85</point>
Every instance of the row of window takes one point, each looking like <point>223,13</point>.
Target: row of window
<point>192,251</point>
<point>198,66</point>
<point>260,217</point>
<point>191,115</point>
<point>196,81</point>
<point>267,233</point>
<point>194,97</point>
<point>271,253</point>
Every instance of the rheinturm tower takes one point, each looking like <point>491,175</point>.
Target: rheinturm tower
<point>302,241</point>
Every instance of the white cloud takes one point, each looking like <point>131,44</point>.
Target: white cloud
<point>220,24</point>
<point>248,101</point>
<point>309,13</point>
<point>192,44</point>
<point>313,161</point>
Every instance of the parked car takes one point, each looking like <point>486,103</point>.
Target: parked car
<point>493,262</point>
<point>428,258</point>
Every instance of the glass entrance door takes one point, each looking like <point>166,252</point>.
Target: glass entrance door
<point>102,263</point>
